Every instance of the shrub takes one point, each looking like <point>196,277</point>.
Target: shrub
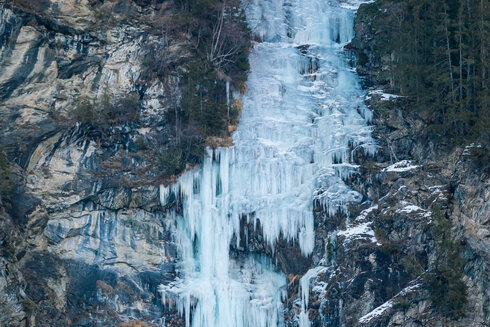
<point>125,109</point>
<point>481,157</point>
<point>5,180</point>
<point>171,161</point>
<point>33,6</point>
<point>446,288</point>
<point>105,112</point>
<point>329,251</point>
<point>387,246</point>
<point>84,111</point>
<point>29,305</point>
<point>412,265</point>
<point>402,304</point>
<point>141,143</point>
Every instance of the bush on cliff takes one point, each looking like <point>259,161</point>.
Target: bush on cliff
<point>105,112</point>
<point>5,180</point>
<point>218,43</point>
<point>446,287</point>
<point>171,161</point>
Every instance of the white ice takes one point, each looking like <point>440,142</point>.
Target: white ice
<point>302,120</point>
<point>304,290</point>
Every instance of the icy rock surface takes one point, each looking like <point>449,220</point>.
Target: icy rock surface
<point>303,118</point>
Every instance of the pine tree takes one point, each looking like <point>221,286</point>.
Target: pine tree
<point>5,180</point>
<point>439,51</point>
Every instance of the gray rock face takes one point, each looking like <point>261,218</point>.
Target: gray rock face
<point>86,242</point>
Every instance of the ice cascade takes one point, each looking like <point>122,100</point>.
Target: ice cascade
<point>302,120</point>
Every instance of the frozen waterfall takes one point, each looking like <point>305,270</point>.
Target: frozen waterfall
<point>303,116</point>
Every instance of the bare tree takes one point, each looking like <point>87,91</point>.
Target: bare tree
<point>222,49</point>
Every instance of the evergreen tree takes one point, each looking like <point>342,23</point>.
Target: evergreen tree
<point>439,59</point>
<point>5,180</point>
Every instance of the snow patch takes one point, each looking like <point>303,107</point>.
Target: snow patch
<point>376,312</point>
<point>379,311</point>
<point>409,208</point>
<point>363,215</point>
<point>353,4</point>
<point>467,149</point>
<point>438,191</point>
<point>401,166</point>
<point>384,96</point>
<point>360,231</point>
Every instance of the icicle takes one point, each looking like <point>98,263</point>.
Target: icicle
<point>228,93</point>
<point>164,191</point>
<point>304,290</point>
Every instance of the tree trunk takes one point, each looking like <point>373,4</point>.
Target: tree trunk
<point>460,61</point>
<point>451,76</point>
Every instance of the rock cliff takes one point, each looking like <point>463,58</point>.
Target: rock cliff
<point>425,202</point>
<point>84,240</point>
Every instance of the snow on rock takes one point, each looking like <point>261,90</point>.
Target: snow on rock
<point>438,191</point>
<point>363,215</point>
<point>384,96</point>
<point>409,208</point>
<point>352,4</point>
<point>401,166</point>
<point>362,229</point>
<point>379,311</point>
<point>467,149</point>
<point>359,231</point>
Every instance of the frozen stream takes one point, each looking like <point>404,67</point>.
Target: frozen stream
<point>302,115</point>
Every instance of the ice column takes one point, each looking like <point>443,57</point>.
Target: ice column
<point>302,117</point>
